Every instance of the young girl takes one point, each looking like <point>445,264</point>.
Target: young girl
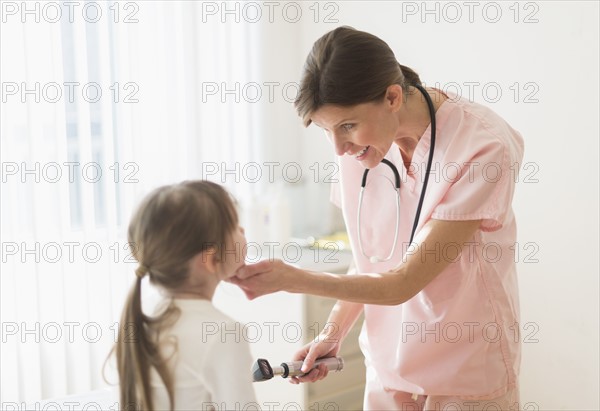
<point>186,239</point>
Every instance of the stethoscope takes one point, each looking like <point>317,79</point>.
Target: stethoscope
<point>376,259</point>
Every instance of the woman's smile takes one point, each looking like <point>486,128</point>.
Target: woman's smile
<point>362,153</point>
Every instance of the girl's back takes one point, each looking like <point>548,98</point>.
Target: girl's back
<point>211,366</point>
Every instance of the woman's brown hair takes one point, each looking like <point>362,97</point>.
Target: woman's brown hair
<point>170,226</point>
<point>347,67</point>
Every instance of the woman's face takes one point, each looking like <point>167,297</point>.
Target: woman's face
<point>365,131</point>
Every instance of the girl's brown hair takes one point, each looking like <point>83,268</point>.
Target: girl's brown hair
<point>347,67</point>
<point>170,226</point>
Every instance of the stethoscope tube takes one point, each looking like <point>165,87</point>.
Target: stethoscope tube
<point>429,160</point>
<point>375,259</point>
<point>390,165</point>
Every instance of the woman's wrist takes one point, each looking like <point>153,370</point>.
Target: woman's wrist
<point>296,280</point>
<point>305,282</point>
<point>331,333</point>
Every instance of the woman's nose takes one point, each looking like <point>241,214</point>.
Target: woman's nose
<point>341,146</point>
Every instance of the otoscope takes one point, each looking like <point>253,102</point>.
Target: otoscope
<point>263,371</point>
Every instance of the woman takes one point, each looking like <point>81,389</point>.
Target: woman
<point>441,316</point>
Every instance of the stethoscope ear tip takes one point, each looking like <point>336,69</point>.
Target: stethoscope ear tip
<point>374,259</point>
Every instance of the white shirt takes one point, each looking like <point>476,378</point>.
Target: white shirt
<point>211,363</point>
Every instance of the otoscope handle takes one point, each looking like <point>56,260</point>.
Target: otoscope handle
<point>293,368</point>
<point>262,370</point>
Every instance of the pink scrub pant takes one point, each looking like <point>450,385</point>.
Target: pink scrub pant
<point>380,398</point>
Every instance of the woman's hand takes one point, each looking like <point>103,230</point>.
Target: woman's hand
<point>322,347</point>
<point>265,277</point>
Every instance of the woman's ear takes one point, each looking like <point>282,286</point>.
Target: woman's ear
<point>394,96</point>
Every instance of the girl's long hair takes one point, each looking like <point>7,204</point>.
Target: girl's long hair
<point>171,225</point>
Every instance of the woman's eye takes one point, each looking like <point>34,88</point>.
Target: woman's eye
<point>347,127</point>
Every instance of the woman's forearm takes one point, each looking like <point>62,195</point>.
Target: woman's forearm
<point>341,319</point>
<point>382,289</point>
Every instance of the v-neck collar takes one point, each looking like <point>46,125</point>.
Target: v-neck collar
<point>421,152</point>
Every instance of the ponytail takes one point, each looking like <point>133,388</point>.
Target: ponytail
<point>411,78</point>
<point>137,353</point>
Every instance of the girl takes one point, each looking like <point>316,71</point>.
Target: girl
<point>186,239</point>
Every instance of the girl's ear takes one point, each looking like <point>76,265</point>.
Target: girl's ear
<point>206,259</point>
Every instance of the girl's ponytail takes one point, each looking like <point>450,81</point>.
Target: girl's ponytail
<point>137,353</point>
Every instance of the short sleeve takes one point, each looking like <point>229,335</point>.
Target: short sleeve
<point>229,366</point>
<point>482,191</point>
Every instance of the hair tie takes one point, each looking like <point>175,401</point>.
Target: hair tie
<point>141,271</point>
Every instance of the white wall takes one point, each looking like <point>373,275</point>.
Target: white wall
<point>557,214</point>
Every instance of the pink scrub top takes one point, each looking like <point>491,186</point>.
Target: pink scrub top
<point>458,336</point>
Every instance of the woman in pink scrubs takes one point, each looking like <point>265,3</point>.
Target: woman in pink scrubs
<point>441,316</point>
